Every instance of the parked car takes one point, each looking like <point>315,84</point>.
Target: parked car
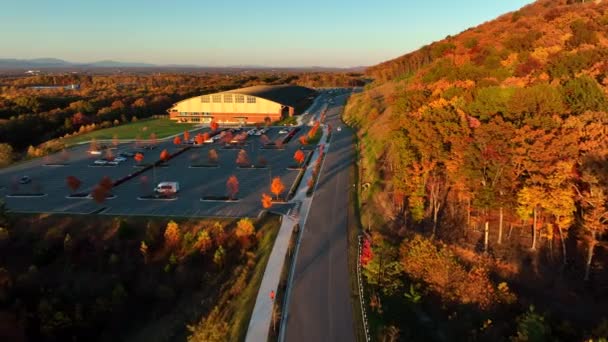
<point>113,162</point>
<point>95,152</point>
<point>120,159</point>
<point>283,131</point>
<point>339,129</point>
<point>25,180</point>
<point>100,162</point>
<point>209,141</point>
<point>167,188</point>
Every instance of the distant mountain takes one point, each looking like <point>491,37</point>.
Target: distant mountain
<point>49,63</point>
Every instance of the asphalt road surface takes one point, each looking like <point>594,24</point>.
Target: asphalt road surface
<point>320,306</point>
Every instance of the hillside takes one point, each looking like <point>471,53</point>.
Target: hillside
<point>494,142</point>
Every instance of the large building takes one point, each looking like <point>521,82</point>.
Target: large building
<point>245,105</point>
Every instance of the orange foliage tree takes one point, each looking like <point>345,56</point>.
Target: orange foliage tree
<point>186,135</point>
<point>173,234</point>
<point>139,157</point>
<point>277,186</point>
<point>266,201</point>
<point>177,140</point>
<point>244,231</point>
<point>203,242</point>
<point>303,140</point>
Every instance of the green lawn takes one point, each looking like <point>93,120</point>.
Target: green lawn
<point>142,128</point>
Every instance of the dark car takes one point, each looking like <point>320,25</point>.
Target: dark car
<point>127,154</point>
<point>25,180</point>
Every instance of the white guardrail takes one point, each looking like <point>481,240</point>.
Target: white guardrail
<point>361,294</point>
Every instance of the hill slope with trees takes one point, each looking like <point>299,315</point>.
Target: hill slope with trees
<point>484,161</point>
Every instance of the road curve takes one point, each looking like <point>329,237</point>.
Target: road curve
<point>319,307</point>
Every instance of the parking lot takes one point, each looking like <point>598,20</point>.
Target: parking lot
<point>48,190</point>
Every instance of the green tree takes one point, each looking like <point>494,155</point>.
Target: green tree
<point>584,94</point>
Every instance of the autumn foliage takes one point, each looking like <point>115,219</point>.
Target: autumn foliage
<point>73,183</point>
<point>232,186</point>
<point>299,157</point>
<point>277,187</point>
<point>214,126</point>
<point>172,235</point>
<point>266,201</point>
<point>164,155</point>
<point>242,159</point>
<point>177,140</point>
<point>139,157</point>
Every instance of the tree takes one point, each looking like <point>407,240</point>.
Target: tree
<point>203,242</point>
<point>267,121</point>
<point>232,186</point>
<point>115,140</point>
<point>244,231</point>
<point>242,159</point>
<point>106,183</point>
<point>299,157</point>
<point>177,140</point>
<point>73,183</point>
<point>214,126</point>
<point>186,136</point>
<point>99,194</point>
<point>595,216</point>
<point>583,94</point>
<point>6,154</point>
<point>212,156</point>
<point>277,187</point>
<point>219,256</point>
<point>266,201</point>
<point>164,155</point>
<point>367,253</point>
<point>139,157</point>
<point>143,248</point>
<point>172,234</point>
<point>199,139</point>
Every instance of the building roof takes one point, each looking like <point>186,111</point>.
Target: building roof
<point>285,94</point>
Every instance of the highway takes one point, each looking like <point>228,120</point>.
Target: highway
<point>319,306</point>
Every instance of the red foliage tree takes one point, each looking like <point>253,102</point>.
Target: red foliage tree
<point>106,183</point>
<point>212,156</point>
<point>299,157</point>
<point>164,155</point>
<point>139,157</point>
<point>242,158</point>
<point>367,253</point>
<point>177,140</point>
<point>99,194</point>
<point>214,126</point>
<point>232,186</point>
<point>199,139</point>
<point>186,135</point>
<point>227,138</point>
<point>303,140</point>
<point>73,183</point>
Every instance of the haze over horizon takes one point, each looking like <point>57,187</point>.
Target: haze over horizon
<point>271,34</point>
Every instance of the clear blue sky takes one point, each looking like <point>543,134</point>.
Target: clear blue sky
<point>236,32</point>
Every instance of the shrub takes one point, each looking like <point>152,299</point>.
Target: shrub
<point>582,33</point>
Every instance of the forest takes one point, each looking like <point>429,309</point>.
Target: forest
<point>483,163</point>
<point>30,117</point>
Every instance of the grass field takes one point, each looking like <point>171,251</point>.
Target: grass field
<point>142,128</point>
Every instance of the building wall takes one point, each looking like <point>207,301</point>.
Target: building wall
<point>196,105</point>
<point>243,118</point>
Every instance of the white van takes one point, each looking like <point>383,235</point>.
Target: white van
<point>167,188</point>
